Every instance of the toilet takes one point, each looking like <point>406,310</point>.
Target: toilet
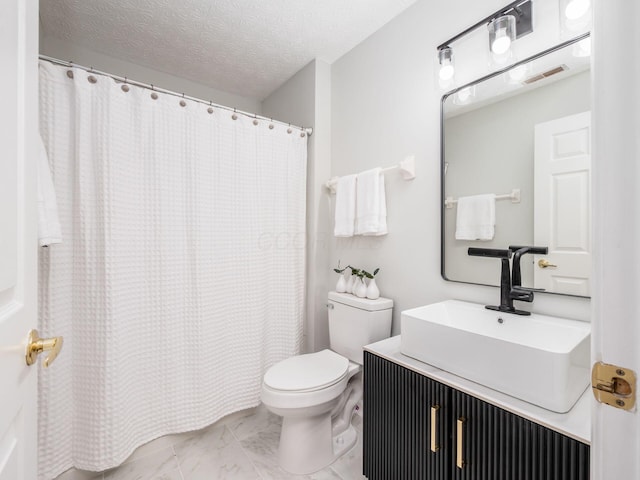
<point>317,393</point>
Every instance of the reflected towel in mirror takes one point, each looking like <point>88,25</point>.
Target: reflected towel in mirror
<point>476,217</point>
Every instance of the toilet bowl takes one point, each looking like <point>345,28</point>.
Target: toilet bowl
<point>317,393</point>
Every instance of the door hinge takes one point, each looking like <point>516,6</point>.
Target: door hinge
<point>613,385</point>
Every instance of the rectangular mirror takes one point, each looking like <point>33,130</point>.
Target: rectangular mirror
<point>522,134</point>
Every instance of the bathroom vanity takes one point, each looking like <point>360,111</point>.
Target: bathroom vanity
<point>421,422</point>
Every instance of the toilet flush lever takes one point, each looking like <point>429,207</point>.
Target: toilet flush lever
<point>330,306</point>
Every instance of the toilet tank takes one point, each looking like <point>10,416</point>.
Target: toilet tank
<point>355,322</point>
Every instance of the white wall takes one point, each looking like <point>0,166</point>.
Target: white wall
<point>63,50</point>
<point>385,105</point>
<point>305,100</point>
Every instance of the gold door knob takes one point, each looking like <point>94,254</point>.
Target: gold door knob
<point>544,263</point>
<point>37,345</point>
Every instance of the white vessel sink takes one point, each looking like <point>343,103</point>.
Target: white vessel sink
<point>539,359</point>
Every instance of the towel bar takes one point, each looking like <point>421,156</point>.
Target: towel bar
<point>514,196</point>
<point>407,168</point>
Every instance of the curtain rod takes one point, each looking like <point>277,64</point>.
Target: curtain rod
<point>149,86</point>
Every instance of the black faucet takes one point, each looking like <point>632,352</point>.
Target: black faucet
<point>516,277</point>
<point>510,281</point>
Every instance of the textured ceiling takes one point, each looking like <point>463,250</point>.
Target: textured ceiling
<point>246,47</point>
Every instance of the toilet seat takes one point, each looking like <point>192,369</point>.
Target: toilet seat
<point>307,373</point>
<point>304,381</point>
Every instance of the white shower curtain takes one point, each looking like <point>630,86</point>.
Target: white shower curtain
<point>180,278</point>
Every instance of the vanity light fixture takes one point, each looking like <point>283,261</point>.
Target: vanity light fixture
<point>445,59</point>
<point>502,32</point>
<point>465,95</point>
<point>575,9</point>
<point>506,25</point>
<point>582,48</point>
<point>516,75</point>
<point>575,15</point>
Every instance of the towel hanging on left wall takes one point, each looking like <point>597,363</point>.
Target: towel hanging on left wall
<point>345,215</point>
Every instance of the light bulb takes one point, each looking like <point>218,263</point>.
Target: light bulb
<point>576,9</point>
<point>501,43</point>
<point>446,71</point>
<point>464,95</point>
<point>518,73</point>
<point>582,48</point>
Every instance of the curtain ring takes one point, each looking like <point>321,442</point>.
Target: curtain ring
<point>154,95</point>
<point>210,109</point>
<point>271,125</point>
<point>125,87</point>
<point>91,78</point>
<point>70,72</point>
<point>255,120</point>
<point>234,116</point>
<point>289,130</point>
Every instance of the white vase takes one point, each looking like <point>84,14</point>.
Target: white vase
<point>360,288</point>
<point>373,292</point>
<point>349,287</point>
<point>341,286</point>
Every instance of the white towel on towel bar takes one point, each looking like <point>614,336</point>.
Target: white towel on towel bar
<point>345,216</point>
<point>48,222</point>
<point>476,217</point>
<point>371,204</point>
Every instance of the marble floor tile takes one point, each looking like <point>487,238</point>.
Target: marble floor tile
<point>326,474</point>
<point>260,420</point>
<point>74,474</point>
<point>262,448</point>
<point>349,465</point>
<point>242,446</point>
<point>356,421</point>
<point>214,453</point>
<point>161,443</point>
<point>161,465</point>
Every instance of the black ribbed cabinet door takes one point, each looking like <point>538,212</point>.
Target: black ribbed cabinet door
<point>397,423</point>
<point>498,445</point>
<point>495,444</point>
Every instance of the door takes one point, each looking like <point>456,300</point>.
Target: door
<point>615,322</point>
<point>491,443</point>
<point>406,432</point>
<point>562,209</point>
<point>18,237</point>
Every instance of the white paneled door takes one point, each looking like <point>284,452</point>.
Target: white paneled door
<point>562,210</point>
<point>18,238</point>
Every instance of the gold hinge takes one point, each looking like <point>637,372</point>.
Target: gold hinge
<point>613,385</point>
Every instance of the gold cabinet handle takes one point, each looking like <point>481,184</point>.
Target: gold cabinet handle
<point>544,263</point>
<point>37,345</point>
<point>434,428</point>
<point>459,442</point>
